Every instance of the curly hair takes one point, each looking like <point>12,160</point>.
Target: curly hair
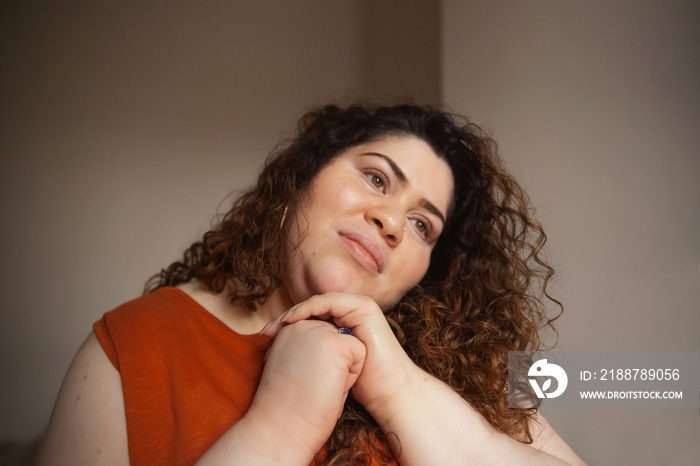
<point>482,296</point>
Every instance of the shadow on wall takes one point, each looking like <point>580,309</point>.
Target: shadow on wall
<point>19,453</point>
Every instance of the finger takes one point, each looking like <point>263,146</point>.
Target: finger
<point>345,398</point>
<point>273,327</point>
<point>316,306</point>
<point>358,353</point>
<point>345,310</point>
<point>352,351</point>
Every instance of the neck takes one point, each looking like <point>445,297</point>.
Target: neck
<point>237,315</point>
<point>277,304</point>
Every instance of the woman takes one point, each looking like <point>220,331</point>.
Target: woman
<point>356,306</point>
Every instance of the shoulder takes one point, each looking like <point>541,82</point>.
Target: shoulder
<point>166,299</point>
<point>88,424</point>
<point>164,307</point>
<point>547,440</point>
<point>143,326</point>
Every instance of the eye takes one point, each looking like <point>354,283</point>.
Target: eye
<point>423,227</point>
<point>377,180</point>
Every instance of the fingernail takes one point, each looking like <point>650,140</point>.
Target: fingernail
<point>267,326</point>
<point>287,314</point>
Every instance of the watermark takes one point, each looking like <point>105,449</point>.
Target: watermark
<point>604,379</point>
<point>542,368</point>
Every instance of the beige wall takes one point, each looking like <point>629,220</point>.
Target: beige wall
<point>123,126</point>
<point>596,106</point>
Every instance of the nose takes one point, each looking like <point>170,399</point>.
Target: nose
<point>389,222</point>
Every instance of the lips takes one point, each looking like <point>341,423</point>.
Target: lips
<point>364,250</point>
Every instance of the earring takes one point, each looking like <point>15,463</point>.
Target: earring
<point>284,216</point>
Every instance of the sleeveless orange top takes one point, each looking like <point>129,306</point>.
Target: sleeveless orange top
<point>186,376</point>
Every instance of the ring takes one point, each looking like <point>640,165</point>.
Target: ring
<point>344,331</point>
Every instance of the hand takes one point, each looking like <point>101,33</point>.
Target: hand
<point>309,370</point>
<point>429,419</point>
<point>387,368</point>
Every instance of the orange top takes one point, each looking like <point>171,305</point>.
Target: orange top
<point>186,376</point>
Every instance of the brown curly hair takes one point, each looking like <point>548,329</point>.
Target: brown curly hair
<point>482,296</point>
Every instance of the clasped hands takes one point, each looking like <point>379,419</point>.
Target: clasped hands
<point>311,367</point>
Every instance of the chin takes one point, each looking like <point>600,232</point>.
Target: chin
<point>339,282</point>
<point>383,301</point>
<point>329,276</point>
<point>340,279</point>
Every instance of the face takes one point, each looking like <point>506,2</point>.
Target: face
<point>369,221</point>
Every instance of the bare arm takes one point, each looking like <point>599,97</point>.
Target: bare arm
<point>432,423</point>
<point>309,371</point>
<point>308,374</point>
<point>88,425</point>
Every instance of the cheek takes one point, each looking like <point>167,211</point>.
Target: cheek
<point>413,269</point>
<point>410,277</point>
<point>343,195</point>
<point>330,197</point>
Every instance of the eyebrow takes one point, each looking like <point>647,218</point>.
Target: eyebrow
<point>431,207</point>
<point>401,176</point>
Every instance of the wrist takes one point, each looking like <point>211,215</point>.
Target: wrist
<point>405,394</point>
<point>279,439</point>
<point>250,442</point>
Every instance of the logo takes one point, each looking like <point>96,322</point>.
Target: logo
<point>542,368</point>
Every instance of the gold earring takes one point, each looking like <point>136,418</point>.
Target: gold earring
<point>284,216</point>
